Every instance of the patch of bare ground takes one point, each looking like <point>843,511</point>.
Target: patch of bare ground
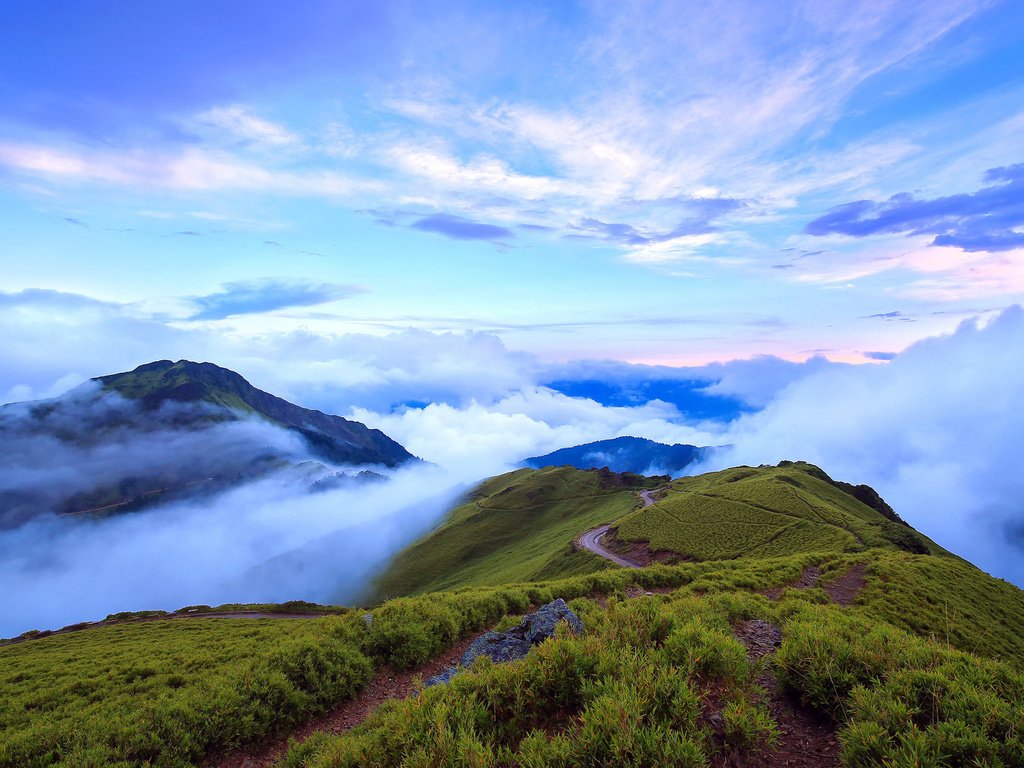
<point>845,589</point>
<point>806,739</point>
<point>640,552</point>
<point>386,684</point>
<point>808,580</point>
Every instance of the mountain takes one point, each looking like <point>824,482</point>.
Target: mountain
<point>623,454</point>
<point>515,527</point>
<point>169,431</point>
<point>332,438</point>
<point>785,618</point>
<point>521,526</point>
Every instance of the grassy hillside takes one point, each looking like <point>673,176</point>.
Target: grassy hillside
<point>515,527</point>
<point>920,664</point>
<point>764,512</point>
<point>643,681</point>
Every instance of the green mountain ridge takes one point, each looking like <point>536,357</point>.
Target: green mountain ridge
<point>333,438</point>
<point>839,636</point>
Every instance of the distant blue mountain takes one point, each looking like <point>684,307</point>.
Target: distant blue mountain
<point>624,454</point>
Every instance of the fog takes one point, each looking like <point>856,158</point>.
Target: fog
<point>937,431</point>
<point>268,538</point>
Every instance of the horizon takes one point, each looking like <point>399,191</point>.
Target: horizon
<point>495,232</point>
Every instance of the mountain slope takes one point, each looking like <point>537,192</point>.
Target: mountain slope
<point>751,660</point>
<point>623,454</point>
<point>332,438</point>
<point>515,527</point>
<point>522,525</point>
<point>167,431</point>
<point>765,512</point>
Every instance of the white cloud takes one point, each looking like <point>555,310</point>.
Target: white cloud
<point>936,432</point>
<point>240,122</point>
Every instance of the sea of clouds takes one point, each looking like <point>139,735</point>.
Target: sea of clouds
<point>936,431</point>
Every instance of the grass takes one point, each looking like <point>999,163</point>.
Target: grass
<point>516,527</point>
<point>763,512</point>
<point>170,692</point>
<point>924,669</point>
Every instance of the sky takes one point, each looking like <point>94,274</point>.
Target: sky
<point>496,230</point>
<point>666,183</point>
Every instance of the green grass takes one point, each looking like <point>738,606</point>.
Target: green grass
<point>516,527</point>
<point>168,693</point>
<point>638,688</point>
<point>924,669</point>
<point>762,512</point>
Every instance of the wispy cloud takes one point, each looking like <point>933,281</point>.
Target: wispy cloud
<point>459,228</point>
<point>987,220</point>
<point>258,296</point>
<point>239,122</point>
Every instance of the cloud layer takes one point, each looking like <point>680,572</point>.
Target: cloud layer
<point>936,431</point>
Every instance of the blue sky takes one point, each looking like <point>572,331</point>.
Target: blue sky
<point>671,183</point>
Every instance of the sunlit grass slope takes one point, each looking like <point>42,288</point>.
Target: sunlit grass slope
<point>894,668</point>
<point>515,527</point>
<point>763,512</point>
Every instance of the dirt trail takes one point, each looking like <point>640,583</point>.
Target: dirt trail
<point>843,590</point>
<point>806,740</point>
<point>386,684</point>
<point>591,540</point>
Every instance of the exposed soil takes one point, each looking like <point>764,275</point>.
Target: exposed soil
<point>808,580</point>
<point>845,589</point>
<point>806,739</point>
<point>640,552</point>
<point>386,684</point>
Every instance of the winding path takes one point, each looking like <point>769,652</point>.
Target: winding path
<point>591,540</point>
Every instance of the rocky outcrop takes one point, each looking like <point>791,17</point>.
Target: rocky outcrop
<point>515,643</point>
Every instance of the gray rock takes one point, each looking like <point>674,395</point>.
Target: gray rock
<point>442,677</point>
<point>541,625</point>
<point>367,619</point>
<point>498,646</point>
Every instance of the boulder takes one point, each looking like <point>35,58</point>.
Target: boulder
<point>541,625</point>
<point>498,646</point>
<point>514,643</point>
<point>442,677</point>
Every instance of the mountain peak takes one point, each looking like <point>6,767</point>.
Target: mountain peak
<point>330,437</point>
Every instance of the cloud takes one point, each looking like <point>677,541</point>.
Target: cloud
<point>257,296</point>
<point>459,228</point>
<point>990,219</point>
<point>266,541</point>
<point>936,431</point>
<point>239,122</point>
<point>483,439</point>
<point>882,356</point>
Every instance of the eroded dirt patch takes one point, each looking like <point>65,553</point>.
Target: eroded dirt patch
<point>808,580</point>
<point>640,552</point>
<point>806,739</point>
<point>845,589</point>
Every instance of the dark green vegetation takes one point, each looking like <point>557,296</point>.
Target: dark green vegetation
<point>329,437</point>
<point>924,668</point>
<point>515,527</point>
<point>767,512</point>
<point>172,691</point>
<point>623,454</point>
